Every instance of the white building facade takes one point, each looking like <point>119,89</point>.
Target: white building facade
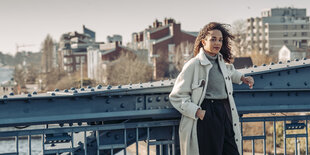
<point>277,27</point>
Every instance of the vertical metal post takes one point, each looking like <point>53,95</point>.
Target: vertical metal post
<point>98,143</point>
<point>241,128</point>
<point>137,140</point>
<point>253,146</point>
<point>29,144</point>
<point>307,137</point>
<point>284,135</point>
<point>264,140</point>
<point>43,146</point>
<point>173,138</point>
<point>85,143</point>
<point>296,147</point>
<point>148,140</point>
<point>125,140</point>
<point>16,142</point>
<point>72,144</point>
<point>275,137</point>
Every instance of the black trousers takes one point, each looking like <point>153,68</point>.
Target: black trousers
<point>215,132</point>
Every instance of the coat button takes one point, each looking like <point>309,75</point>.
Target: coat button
<point>232,109</point>
<point>212,101</point>
<point>228,78</point>
<point>229,93</point>
<point>235,124</point>
<point>236,140</point>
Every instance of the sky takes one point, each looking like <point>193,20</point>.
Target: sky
<point>28,22</point>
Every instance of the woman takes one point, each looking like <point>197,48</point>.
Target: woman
<point>203,95</point>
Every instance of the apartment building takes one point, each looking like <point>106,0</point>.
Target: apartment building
<point>73,49</point>
<point>277,27</point>
<point>160,40</point>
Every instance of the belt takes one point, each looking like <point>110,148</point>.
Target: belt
<point>217,100</point>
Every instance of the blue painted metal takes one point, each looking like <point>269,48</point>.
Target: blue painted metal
<point>111,118</point>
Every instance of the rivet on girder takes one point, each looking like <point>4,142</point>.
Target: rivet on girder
<point>150,99</point>
<point>166,98</point>
<point>119,86</point>
<point>270,94</point>
<point>288,84</point>
<point>75,92</point>
<point>279,73</point>
<point>79,123</point>
<point>99,86</point>
<point>280,62</point>
<point>162,84</point>
<point>272,63</point>
<point>29,95</point>
<point>34,93</point>
<point>122,105</point>
<point>288,61</point>
<point>288,94</point>
<point>61,124</point>
<point>296,59</point>
<point>158,98</point>
<point>92,89</point>
<point>72,88</point>
<point>139,99</point>
<point>305,83</point>
<point>288,72</point>
<point>152,85</point>
<point>254,66</point>
<point>82,89</point>
<point>5,96</point>
<point>56,90</point>
<point>262,77</point>
<point>88,87</point>
<point>130,87</point>
<point>171,83</point>
<point>264,65</point>
<point>11,94</point>
<point>109,87</point>
<point>252,71</point>
<point>70,124</point>
<point>141,86</point>
<point>66,90</point>
<point>108,134</point>
<point>53,94</point>
<point>270,83</point>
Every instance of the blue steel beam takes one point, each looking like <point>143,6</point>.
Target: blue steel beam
<point>282,87</point>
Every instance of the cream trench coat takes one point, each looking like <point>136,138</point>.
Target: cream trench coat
<point>189,92</point>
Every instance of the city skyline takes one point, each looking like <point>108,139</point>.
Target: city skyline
<point>29,22</point>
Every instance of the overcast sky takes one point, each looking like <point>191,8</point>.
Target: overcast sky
<point>29,21</point>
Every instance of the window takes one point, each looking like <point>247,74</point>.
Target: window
<point>171,48</point>
<point>303,34</point>
<point>83,59</point>
<point>301,26</point>
<point>294,34</point>
<point>285,41</point>
<point>77,60</point>
<point>285,34</point>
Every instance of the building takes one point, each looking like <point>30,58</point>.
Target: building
<point>242,62</point>
<point>73,49</point>
<point>115,38</point>
<point>277,27</point>
<point>292,53</point>
<point>99,56</point>
<point>160,40</point>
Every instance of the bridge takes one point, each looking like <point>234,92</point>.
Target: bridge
<point>109,119</point>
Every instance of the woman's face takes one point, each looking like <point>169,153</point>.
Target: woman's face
<point>212,43</point>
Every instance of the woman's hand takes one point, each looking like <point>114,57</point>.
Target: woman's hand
<point>248,80</point>
<point>200,114</point>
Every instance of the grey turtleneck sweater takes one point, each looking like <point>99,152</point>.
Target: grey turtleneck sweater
<point>216,88</point>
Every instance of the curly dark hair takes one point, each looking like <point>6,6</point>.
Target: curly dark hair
<point>227,36</point>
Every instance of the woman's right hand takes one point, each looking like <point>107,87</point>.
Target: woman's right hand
<point>200,114</point>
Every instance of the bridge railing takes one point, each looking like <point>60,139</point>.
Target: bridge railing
<point>109,119</point>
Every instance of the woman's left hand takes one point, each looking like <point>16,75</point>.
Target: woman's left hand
<point>248,80</point>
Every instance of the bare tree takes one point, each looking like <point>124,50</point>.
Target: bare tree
<point>127,69</point>
<point>239,44</point>
<point>47,54</point>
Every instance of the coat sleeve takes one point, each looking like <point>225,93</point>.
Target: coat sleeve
<point>235,75</point>
<point>180,96</point>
